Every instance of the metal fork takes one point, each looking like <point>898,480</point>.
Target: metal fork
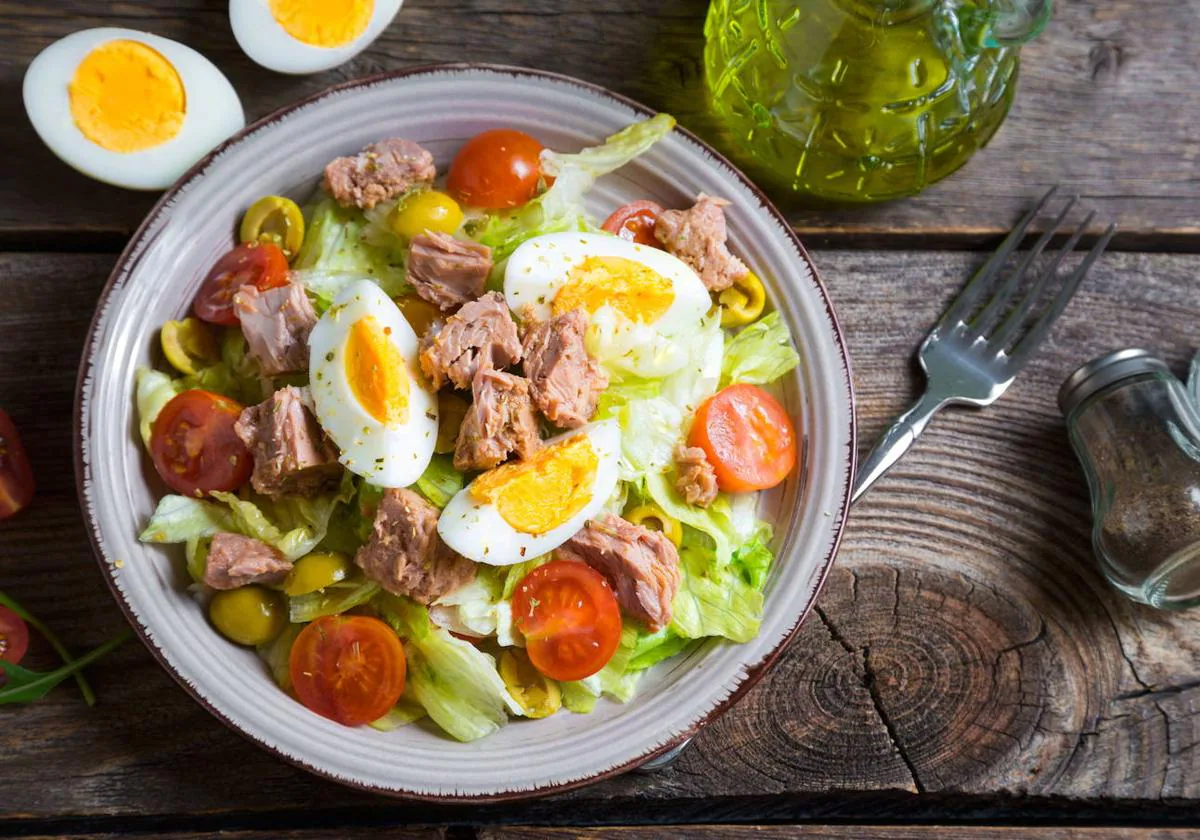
<point>972,360</point>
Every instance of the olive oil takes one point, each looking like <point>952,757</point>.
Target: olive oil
<point>858,100</point>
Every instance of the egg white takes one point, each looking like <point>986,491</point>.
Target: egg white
<point>268,44</point>
<point>387,455</point>
<point>213,113</point>
<point>477,530</point>
<point>538,268</point>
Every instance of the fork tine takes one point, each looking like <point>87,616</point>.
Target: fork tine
<point>1041,327</point>
<point>1008,330</point>
<point>974,291</point>
<point>995,308</point>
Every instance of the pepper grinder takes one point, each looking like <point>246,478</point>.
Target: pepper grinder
<point>1136,432</point>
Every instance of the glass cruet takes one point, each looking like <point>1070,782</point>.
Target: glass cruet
<point>864,100</point>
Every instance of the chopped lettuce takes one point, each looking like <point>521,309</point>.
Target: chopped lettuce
<point>754,560</point>
<point>478,609</point>
<point>560,207</point>
<point>711,521</point>
<point>615,679</point>
<point>440,481</point>
<point>652,648</point>
<point>515,573</point>
<point>456,683</point>
<point>337,251</point>
<point>403,713</point>
<point>650,429</point>
<point>196,551</point>
<point>153,390</point>
<point>713,599</point>
<point>292,524</point>
<point>332,600</point>
<point>277,655</point>
<point>178,519</point>
<point>760,353</point>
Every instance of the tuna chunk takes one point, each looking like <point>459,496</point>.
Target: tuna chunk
<point>642,565</point>
<point>564,379</point>
<point>292,456</point>
<point>695,478</point>
<point>276,324</point>
<point>406,556</point>
<point>379,172</point>
<point>234,560</point>
<point>500,421</point>
<point>446,271</point>
<point>480,335</point>
<point>697,236</point>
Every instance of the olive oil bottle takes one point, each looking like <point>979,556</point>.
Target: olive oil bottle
<point>864,100</point>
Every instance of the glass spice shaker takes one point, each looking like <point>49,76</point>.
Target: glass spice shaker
<point>1136,431</point>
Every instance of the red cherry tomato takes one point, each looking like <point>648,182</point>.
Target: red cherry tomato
<point>635,222</point>
<point>348,668</point>
<point>570,619</point>
<point>260,264</point>
<point>747,437</point>
<point>14,636</point>
<point>496,169</point>
<point>16,475</point>
<point>194,446</point>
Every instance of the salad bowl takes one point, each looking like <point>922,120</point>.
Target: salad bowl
<point>157,277</point>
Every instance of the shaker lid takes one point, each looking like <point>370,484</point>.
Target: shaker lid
<point>1104,371</point>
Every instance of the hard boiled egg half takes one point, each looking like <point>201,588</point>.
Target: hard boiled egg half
<point>367,389</point>
<point>129,108</point>
<point>308,36</point>
<point>525,508</point>
<point>645,304</point>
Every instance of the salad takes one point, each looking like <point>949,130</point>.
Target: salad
<point>447,448</point>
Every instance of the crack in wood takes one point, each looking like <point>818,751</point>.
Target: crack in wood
<point>1154,694</point>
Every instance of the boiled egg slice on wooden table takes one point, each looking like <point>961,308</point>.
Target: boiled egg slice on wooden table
<point>307,36</point>
<point>127,107</point>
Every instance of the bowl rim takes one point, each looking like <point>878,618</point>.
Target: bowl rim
<point>753,672</point>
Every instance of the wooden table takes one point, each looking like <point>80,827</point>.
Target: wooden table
<point>967,664</point>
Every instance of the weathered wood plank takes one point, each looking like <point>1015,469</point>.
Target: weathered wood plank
<point>367,833</point>
<point>1107,106</point>
<point>833,832</point>
<point>965,646</point>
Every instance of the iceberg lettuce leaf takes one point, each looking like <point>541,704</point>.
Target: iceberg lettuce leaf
<point>713,600</point>
<point>760,353</point>
<point>440,481</point>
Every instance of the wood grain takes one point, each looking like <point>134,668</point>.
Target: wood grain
<point>965,645</point>
<point>1107,106</point>
<point>833,832</point>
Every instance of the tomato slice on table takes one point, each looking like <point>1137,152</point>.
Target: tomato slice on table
<point>16,475</point>
<point>635,222</point>
<point>570,619</point>
<point>14,637</point>
<point>260,264</point>
<point>348,668</point>
<point>496,169</point>
<point>194,447</point>
<point>747,437</point>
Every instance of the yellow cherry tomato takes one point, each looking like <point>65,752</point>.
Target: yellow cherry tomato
<point>536,694</point>
<point>420,313</point>
<point>426,210</point>
<point>274,219</point>
<point>189,345</point>
<point>743,302</point>
<point>451,410</point>
<point>248,615</point>
<point>313,572</point>
<point>656,519</point>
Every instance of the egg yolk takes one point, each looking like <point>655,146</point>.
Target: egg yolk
<point>540,493</point>
<point>126,97</point>
<point>323,23</point>
<point>376,371</point>
<point>636,291</point>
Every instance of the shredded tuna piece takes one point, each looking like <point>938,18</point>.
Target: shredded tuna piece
<point>235,560</point>
<point>481,334</point>
<point>697,236</point>
<point>406,556</point>
<point>292,455</point>
<point>695,478</point>
<point>642,565</point>
<point>276,324</point>
<point>381,171</point>
<point>565,381</point>
<point>500,421</point>
<point>446,271</point>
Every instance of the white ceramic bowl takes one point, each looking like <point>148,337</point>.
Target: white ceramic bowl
<point>440,107</point>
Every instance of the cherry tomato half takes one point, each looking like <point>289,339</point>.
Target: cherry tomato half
<point>14,636</point>
<point>348,668</point>
<point>570,618</point>
<point>260,264</point>
<point>635,222</point>
<point>496,169</point>
<point>194,447</point>
<point>16,475</point>
<point>747,437</point>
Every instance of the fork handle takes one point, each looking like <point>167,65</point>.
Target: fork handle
<point>895,442</point>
